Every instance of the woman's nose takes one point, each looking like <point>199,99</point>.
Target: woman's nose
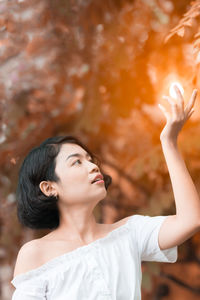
<point>94,168</point>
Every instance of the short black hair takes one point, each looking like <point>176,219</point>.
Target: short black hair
<point>34,209</point>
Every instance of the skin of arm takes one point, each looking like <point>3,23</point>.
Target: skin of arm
<point>178,228</point>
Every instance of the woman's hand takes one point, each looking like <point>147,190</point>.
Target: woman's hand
<point>178,115</point>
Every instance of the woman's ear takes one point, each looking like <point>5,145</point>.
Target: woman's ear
<point>47,188</point>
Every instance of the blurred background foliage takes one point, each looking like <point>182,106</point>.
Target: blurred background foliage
<point>97,70</point>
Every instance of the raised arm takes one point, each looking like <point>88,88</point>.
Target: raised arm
<point>178,228</point>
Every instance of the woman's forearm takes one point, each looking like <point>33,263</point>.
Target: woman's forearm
<point>186,197</point>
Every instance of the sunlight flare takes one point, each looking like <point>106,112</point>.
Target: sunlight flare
<point>172,91</point>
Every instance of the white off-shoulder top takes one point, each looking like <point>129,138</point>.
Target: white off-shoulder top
<point>107,269</point>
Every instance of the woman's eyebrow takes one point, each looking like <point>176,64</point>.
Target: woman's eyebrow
<point>78,155</point>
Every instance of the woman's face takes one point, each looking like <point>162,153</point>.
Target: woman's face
<point>76,173</point>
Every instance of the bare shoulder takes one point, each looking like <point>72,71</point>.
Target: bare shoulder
<point>39,251</point>
<point>27,257</point>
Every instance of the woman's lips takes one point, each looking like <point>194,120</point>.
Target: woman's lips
<point>99,181</point>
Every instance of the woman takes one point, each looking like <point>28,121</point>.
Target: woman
<point>59,186</point>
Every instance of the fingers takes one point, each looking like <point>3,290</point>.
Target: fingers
<point>179,97</point>
<point>178,107</point>
<point>174,106</point>
<point>191,101</point>
<point>180,101</point>
<point>190,113</point>
<point>167,115</point>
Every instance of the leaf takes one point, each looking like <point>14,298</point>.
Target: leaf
<point>168,37</point>
<point>187,20</point>
<point>197,34</point>
<point>177,30</point>
<point>181,32</point>
<point>196,43</point>
<point>188,23</point>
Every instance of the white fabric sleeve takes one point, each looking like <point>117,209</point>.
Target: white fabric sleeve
<point>146,231</point>
<point>26,291</point>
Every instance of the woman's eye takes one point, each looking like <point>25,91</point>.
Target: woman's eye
<point>76,161</point>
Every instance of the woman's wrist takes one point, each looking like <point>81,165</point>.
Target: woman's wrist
<point>169,141</point>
